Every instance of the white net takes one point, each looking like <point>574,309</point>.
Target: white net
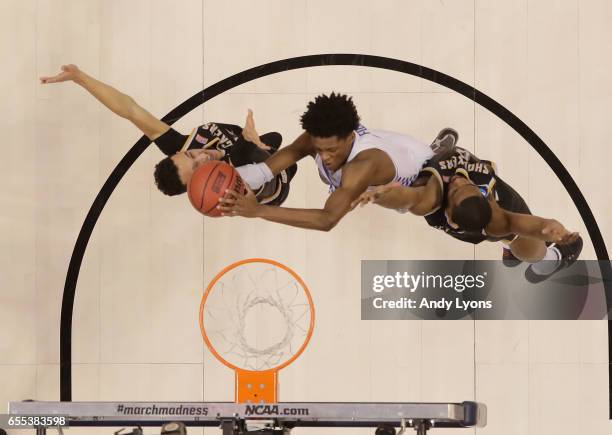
<point>257,316</point>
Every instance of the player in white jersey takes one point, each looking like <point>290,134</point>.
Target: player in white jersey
<point>350,159</point>
<point>406,153</point>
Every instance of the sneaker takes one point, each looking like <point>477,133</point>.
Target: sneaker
<point>445,140</point>
<point>569,254</point>
<point>509,259</point>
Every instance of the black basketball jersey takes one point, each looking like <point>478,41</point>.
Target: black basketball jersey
<point>480,172</point>
<point>213,135</point>
<point>238,151</point>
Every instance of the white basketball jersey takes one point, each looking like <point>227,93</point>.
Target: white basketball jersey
<point>407,154</point>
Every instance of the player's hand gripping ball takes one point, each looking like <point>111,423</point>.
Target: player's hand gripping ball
<point>209,183</point>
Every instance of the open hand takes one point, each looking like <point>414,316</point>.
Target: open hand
<point>374,195</point>
<point>69,72</point>
<point>239,204</point>
<point>250,133</point>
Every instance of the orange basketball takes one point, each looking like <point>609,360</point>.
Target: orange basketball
<point>209,183</point>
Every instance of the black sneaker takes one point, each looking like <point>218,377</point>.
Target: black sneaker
<point>569,254</point>
<point>445,141</point>
<point>509,259</point>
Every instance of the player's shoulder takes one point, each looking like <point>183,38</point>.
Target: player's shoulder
<point>367,155</point>
<point>369,160</point>
<point>305,143</point>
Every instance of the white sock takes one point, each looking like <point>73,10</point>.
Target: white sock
<point>549,263</point>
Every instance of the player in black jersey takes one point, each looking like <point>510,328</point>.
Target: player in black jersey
<point>230,143</point>
<point>462,195</point>
<point>212,141</point>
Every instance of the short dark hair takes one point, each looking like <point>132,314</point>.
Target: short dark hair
<point>167,178</point>
<point>472,214</point>
<point>333,115</point>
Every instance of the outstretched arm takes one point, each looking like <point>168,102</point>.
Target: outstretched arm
<point>355,180</point>
<point>504,222</point>
<point>256,174</point>
<point>417,200</point>
<point>118,102</point>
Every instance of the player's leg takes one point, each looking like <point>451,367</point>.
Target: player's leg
<point>510,200</point>
<point>557,257</point>
<point>545,260</point>
<point>528,250</point>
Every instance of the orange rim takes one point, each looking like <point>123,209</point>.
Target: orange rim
<point>233,266</point>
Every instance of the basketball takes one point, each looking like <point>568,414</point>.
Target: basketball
<point>209,183</point>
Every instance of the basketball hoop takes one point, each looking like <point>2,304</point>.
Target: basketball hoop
<point>256,317</point>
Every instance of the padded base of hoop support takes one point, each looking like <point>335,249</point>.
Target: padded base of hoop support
<point>256,387</point>
<point>273,419</point>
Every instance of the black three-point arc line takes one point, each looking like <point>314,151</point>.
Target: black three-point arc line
<point>305,62</point>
